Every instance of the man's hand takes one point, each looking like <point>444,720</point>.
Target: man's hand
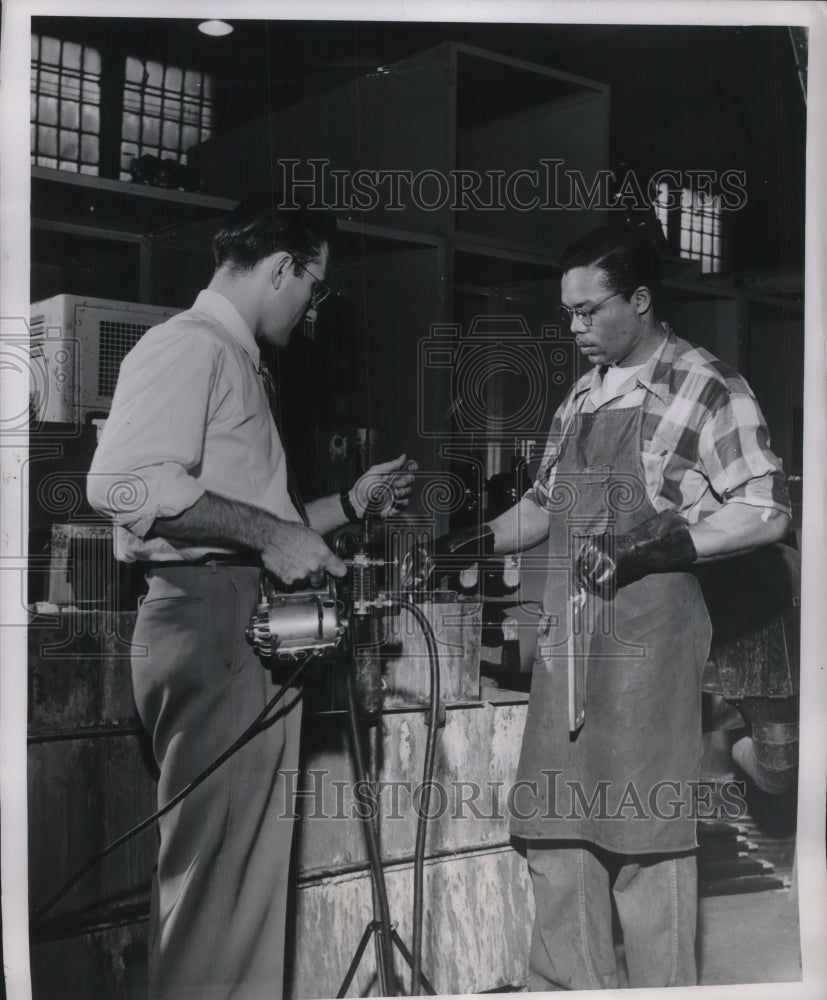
<point>385,488</point>
<point>294,552</point>
<point>288,550</point>
<point>660,543</point>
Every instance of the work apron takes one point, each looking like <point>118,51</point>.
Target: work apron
<point>626,779</point>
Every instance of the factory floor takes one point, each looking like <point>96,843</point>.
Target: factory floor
<point>752,937</point>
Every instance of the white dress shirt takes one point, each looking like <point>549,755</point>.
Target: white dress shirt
<point>190,414</point>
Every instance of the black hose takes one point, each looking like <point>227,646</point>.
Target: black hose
<point>252,730</point>
<point>386,977</point>
<point>427,780</point>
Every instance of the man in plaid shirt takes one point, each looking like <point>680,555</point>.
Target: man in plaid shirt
<point>657,459</point>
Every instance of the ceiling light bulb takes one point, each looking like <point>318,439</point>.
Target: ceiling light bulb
<point>215,28</point>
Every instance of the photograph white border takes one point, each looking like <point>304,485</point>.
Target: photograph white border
<point>14,308</point>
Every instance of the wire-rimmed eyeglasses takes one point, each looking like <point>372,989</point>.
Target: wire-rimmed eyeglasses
<point>585,315</point>
<point>320,291</point>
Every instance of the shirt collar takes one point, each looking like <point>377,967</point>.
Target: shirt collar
<point>656,374</point>
<point>220,308</point>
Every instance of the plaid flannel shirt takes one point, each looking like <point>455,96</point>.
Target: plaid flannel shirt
<point>704,440</point>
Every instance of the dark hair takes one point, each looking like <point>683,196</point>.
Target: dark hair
<point>628,258</point>
<point>257,228</point>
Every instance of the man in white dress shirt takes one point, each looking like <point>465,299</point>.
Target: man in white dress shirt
<point>191,467</point>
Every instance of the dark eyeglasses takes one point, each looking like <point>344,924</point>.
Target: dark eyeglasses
<point>321,289</point>
<point>585,315</point>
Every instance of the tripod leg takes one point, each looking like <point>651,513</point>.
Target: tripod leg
<point>400,944</point>
<point>357,958</point>
<point>386,978</point>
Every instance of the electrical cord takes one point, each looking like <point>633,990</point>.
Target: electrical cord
<point>427,780</point>
<point>258,725</point>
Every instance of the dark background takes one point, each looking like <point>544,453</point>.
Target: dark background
<point>715,98</point>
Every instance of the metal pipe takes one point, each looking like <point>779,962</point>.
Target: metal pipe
<point>386,977</point>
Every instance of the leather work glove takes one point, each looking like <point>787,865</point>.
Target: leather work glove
<point>660,543</point>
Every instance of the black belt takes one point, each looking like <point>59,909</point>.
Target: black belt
<point>215,559</point>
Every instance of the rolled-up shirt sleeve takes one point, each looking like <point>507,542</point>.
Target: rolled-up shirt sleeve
<point>734,449</point>
<point>154,435</point>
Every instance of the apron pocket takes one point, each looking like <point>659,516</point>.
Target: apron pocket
<point>590,514</point>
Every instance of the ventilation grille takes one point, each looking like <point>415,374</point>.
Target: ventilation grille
<point>116,340</point>
<point>37,334</point>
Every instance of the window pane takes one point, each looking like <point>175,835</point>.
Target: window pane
<point>134,70</point>
<point>91,62</point>
<point>70,115</point>
<point>91,118</point>
<point>50,51</point>
<point>152,132</point>
<point>192,83</point>
<point>155,75</point>
<point>89,151</point>
<point>71,55</point>
<point>91,91</point>
<point>69,145</point>
<point>189,136</point>
<point>47,111</point>
<point>174,79</point>
<point>171,135</point>
<point>47,140</point>
<point>131,126</point>
<point>70,88</point>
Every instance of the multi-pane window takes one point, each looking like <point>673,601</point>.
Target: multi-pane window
<point>702,235</point>
<point>166,111</point>
<point>65,105</point>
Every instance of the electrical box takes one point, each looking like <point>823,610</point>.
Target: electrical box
<point>77,345</point>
